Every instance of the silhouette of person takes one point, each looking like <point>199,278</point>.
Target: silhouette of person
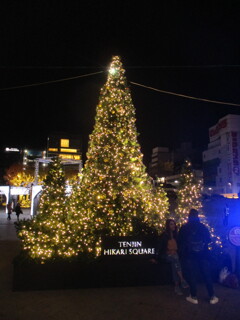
<point>226,215</point>
<point>9,210</point>
<point>194,238</point>
<point>18,210</point>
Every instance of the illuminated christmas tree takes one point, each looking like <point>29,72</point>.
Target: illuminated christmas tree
<point>189,193</point>
<point>115,187</point>
<point>189,196</point>
<point>49,234</point>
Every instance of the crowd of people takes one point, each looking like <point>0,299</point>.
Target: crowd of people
<point>187,251</point>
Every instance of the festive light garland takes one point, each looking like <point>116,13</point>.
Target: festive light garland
<point>114,187</point>
<point>189,196</point>
<point>50,234</point>
<point>112,190</point>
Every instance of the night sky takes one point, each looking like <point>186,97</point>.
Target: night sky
<point>192,50</point>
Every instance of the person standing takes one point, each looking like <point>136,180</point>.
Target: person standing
<point>226,215</point>
<point>9,210</point>
<point>168,250</point>
<point>18,210</point>
<point>194,238</point>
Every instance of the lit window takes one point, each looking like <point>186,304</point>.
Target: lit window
<point>65,143</point>
<point>69,156</point>
<point>65,156</point>
<point>69,150</point>
<point>53,149</point>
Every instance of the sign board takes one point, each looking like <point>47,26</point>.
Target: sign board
<point>234,236</point>
<point>235,153</point>
<point>127,247</point>
<point>4,190</point>
<point>215,130</point>
<point>19,191</point>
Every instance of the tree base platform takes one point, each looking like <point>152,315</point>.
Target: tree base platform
<point>97,274</point>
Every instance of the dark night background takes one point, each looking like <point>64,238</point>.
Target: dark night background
<point>189,49</point>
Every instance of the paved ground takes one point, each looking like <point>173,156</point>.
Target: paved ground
<point>7,228</point>
<point>151,302</point>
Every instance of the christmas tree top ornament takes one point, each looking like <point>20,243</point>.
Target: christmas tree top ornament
<point>116,69</point>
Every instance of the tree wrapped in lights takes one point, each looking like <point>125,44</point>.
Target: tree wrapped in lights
<point>189,193</point>
<point>189,196</point>
<point>15,175</point>
<point>49,235</point>
<point>115,188</point>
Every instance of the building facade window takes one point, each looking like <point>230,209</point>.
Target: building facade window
<point>64,143</point>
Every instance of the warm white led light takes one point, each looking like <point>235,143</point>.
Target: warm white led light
<point>112,71</point>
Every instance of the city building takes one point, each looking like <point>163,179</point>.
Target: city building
<point>68,148</point>
<point>166,162</point>
<point>64,145</point>
<point>161,162</point>
<point>17,157</point>
<point>221,162</point>
<point>30,155</point>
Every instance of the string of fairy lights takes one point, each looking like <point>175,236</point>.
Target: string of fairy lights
<point>189,196</point>
<point>114,187</point>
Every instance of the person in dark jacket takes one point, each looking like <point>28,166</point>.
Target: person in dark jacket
<point>18,210</point>
<point>193,240</point>
<point>9,210</point>
<point>226,215</point>
<point>168,250</point>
